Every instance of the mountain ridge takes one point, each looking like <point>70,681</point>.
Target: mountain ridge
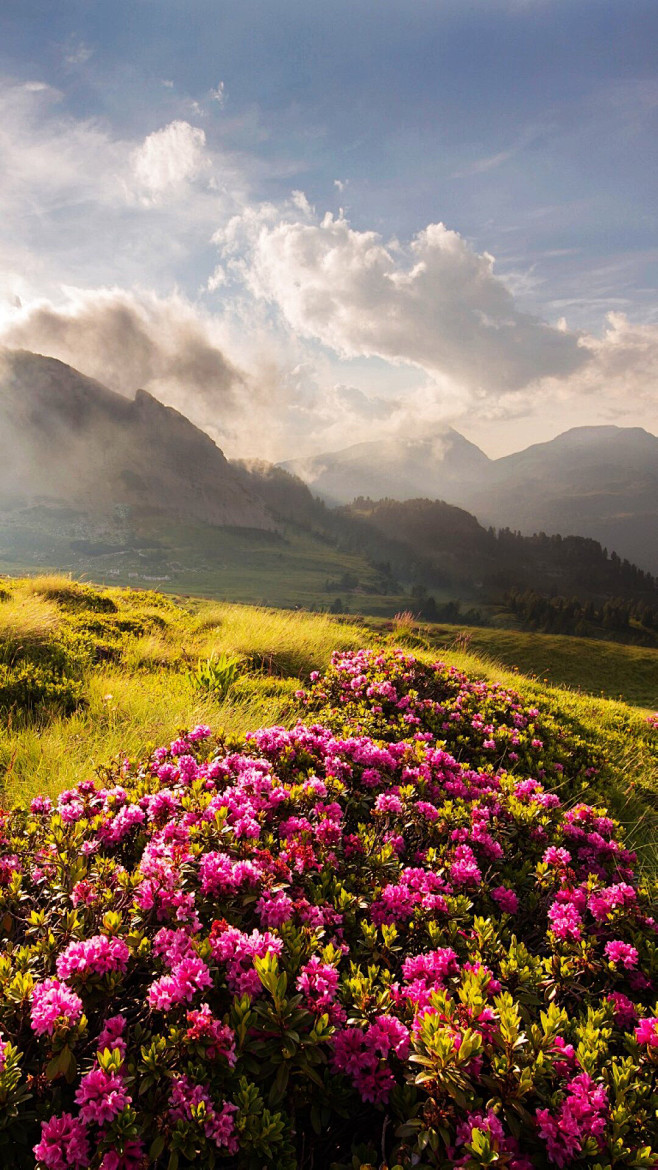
<point>67,437</point>
<point>596,482</point>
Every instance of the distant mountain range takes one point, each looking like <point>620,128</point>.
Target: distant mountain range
<point>599,482</point>
<point>436,468</point>
<point>123,488</point>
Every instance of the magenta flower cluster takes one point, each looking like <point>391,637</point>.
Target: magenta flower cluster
<point>296,948</point>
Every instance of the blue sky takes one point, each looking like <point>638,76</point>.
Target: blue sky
<point>235,204</point>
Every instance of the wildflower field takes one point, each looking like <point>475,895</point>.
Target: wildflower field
<point>399,926</point>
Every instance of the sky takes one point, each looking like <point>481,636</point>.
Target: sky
<point>307,225</point>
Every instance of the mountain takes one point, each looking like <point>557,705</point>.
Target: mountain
<point>65,438</point>
<point>118,488</point>
<point>598,482</point>
<point>443,544</point>
<point>595,481</point>
<point>437,467</point>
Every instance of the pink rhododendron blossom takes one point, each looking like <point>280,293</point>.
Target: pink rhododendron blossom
<point>188,977</point>
<point>582,1115</point>
<point>274,910</point>
<point>217,1038</point>
<point>647,1032</point>
<point>238,951</point>
<point>53,1005</point>
<point>565,921</point>
<point>556,857</point>
<point>506,899</point>
<point>218,1124</point>
<point>64,1144</point>
<point>130,1158</point>
<point>603,903</point>
<point>98,955</point>
<point>41,804</point>
<point>112,1036</point>
<point>318,983</point>
<point>101,1096</point>
<point>624,1009</point>
<point>621,953</point>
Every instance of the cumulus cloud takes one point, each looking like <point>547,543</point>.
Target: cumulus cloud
<point>623,365</point>
<point>169,158</point>
<point>434,303</point>
<point>320,333</point>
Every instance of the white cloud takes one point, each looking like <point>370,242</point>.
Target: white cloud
<point>302,303</point>
<point>76,52</point>
<point>74,210</point>
<point>219,94</point>
<point>623,367</point>
<point>434,303</point>
<point>170,158</point>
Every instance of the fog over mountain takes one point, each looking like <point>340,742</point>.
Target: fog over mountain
<point>65,437</point>
<point>441,466</point>
<point>95,481</point>
<point>600,482</point>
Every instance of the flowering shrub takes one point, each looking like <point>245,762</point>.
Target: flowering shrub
<point>313,949</point>
<point>395,696</point>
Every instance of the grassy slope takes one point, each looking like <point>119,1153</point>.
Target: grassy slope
<point>141,695</point>
<point>248,565</point>
<point>607,669</point>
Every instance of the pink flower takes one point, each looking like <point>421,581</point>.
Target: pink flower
<point>647,1032</point>
<point>387,1034</point>
<point>318,983</point>
<point>557,857</point>
<point>565,921</point>
<point>63,1144</point>
<point>274,910</point>
<point>101,1096</point>
<point>361,1055</point>
<point>622,953</point>
<point>464,870</point>
<point>624,1009</point>
<point>93,956</point>
<point>131,1159</point>
<point>41,804</point>
<point>54,1005</point>
<point>220,874</point>
<point>187,978</point>
<point>218,1039</point>
<point>218,1125</point>
<point>238,951</point>
<point>506,899</point>
<point>388,803</point>
<point>603,903</point>
<point>112,1036</point>
<point>583,1114</point>
<point>487,1123</point>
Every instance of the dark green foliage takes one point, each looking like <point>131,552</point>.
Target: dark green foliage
<point>28,690</point>
<point>618,618</point>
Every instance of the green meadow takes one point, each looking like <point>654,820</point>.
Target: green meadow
<point>89,673</point>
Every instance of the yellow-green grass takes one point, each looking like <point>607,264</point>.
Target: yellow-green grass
<point>128,713</point>
<point>608,669</point>
<point>280,642</point>
<point>144,698</point>
<point>26,618</point>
